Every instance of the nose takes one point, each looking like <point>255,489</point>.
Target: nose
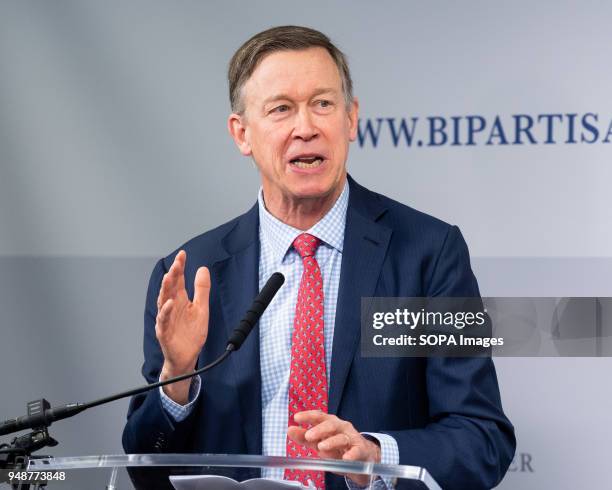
<point>305,127</point>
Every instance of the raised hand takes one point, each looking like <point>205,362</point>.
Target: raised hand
<point>181,326</point>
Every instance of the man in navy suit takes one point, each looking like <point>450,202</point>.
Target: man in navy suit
<point>293,112</point>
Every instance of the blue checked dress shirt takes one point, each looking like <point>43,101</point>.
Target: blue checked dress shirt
<point>276,325</point>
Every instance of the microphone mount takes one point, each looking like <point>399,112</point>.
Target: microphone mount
<point>41,415</point>
<point>15,456</point>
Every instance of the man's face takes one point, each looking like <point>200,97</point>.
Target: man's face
<point>296,125</point>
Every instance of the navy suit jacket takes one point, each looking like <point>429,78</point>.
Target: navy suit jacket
<point>444,413</point>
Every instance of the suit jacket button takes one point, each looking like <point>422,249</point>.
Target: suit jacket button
<point>160,443</point>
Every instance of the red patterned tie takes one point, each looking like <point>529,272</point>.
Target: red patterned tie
<point>308,379</point>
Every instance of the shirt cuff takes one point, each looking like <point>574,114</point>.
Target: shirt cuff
<point>389,454</point>
<point>177,411</point>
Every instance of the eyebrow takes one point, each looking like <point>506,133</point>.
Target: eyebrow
<point>319,91</point>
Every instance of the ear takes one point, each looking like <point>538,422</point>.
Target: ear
<point>236,125</point>
<point>353,119</point>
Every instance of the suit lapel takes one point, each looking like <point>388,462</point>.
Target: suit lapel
<point>364,251</point>
<point>238,280</point>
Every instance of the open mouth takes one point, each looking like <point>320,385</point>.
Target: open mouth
<point>313,161</point>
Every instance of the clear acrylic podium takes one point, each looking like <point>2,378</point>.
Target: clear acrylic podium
<point>410,476</point>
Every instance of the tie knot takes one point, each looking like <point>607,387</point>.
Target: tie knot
<point>306,244</point>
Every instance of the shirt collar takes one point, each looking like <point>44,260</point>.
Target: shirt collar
<point>329,229</point>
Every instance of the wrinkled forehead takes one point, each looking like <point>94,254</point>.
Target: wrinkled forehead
<point>296,74</point>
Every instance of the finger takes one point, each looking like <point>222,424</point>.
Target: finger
<point>176,274</point>
<point>325,429</point>
<point>163,316</point>
<point>312,417</point>
<point>296,434</point>
<point>179,263</point>
<point>173,282</point>
<point>201,287</point>
<point>160,298</point>
<point>355,453</point>
<point>169,284</point>
<point>339,442</point>
<point>164,291</point>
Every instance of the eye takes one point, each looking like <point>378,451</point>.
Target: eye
<point>281,108</point>
<point>323,106</point>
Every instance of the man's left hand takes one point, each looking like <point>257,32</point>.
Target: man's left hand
<point>334,438</point>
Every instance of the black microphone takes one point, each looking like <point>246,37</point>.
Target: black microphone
<point>40,414</point>
<point>260,303</point>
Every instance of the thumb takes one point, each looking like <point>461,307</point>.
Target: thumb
<point>296,433</point>
<point>201,287</point>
